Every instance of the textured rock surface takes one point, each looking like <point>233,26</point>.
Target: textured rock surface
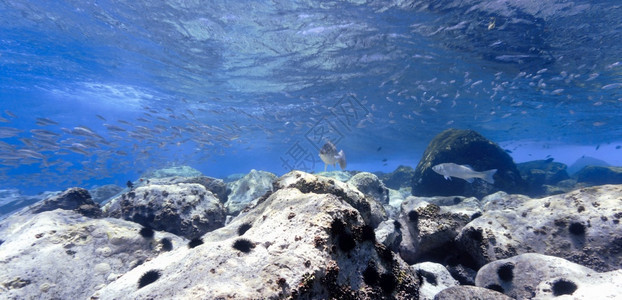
<point>465,147</point>
<point>214,185</point>
<point>519,276</point>
<point>427,226</point>
<point>185,209</point>
<point>434,278</point>
<point>372,212</point>
<point>469,292</point>
<point>370,185</point>
<point>76,199</point>
<point>582,226</point>
<point>389,233</point>
<point>248,188</point>
<point>592,286</point>
<point>61,254</point>
<point>308,244</point>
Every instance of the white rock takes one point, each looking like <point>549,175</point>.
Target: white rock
<point>295,252</point>
<point>519,276</point>
<point>248,188</point>
<point>435,278</point>
<point>581,226</point>
<point>54,254</point>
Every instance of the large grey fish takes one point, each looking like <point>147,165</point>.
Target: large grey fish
<point>449,170</point>
<point>330,156</point>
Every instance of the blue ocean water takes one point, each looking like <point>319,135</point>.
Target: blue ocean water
<point>100,92</point>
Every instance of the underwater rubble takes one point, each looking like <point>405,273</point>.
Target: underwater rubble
<point>314,237</point>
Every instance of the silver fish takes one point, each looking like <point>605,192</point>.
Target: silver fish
<point>330,156</point>
<point>7,132</point>
<point>449,170</point>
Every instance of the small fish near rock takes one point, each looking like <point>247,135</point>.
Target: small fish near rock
<point>330,156</point>
<point>465,172</point>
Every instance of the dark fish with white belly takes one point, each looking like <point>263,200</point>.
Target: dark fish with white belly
<point>449,170</point>
<point>330,156</point>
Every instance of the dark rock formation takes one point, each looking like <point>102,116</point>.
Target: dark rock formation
<point>76,199</point>
<point>538,173</point>
<point>465,147</point>
<point>401,177</point>
<point>596,175</point>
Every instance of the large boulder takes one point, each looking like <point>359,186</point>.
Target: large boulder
<point>185,209</point>
<point>76,199</point>
<point>541,173</point>
<point>585,161</point>
<point>582,226</point>
<point>519,276</point>
<point>248,188</point>
<point>434,278</point>
<point>304,241</point>
<point>400,178</point>
<point>429,229</point>
<point>465,147</point>
<point>62,254</point>
<point>372,212</point>
<point>596,175</point>
<point>370,185</point>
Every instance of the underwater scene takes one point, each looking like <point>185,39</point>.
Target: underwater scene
<point>359,149</point>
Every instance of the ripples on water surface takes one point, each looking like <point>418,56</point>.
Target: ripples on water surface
<point>100,92</point>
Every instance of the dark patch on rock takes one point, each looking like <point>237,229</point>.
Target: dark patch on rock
<point>495,287</point>
<point>166,243</point>
<point>346,242</point>
<point>244,228</point>
<point>384,253</point>
<point>506,272</point>
<point>413,216</point>
<point>427,276</point>
<point>476,215</point>
<point>370,274</point>
<point>563,287</point>
<point>387,283</point>
<point>577,229</point>
<point>243,245</point>
<point>465,147</point>
<point>148,278</point>
<point>147,232</point>
<point>195,242</point>
<point>464,275</point>
<point>475,234</point>
<point>367,233</point>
